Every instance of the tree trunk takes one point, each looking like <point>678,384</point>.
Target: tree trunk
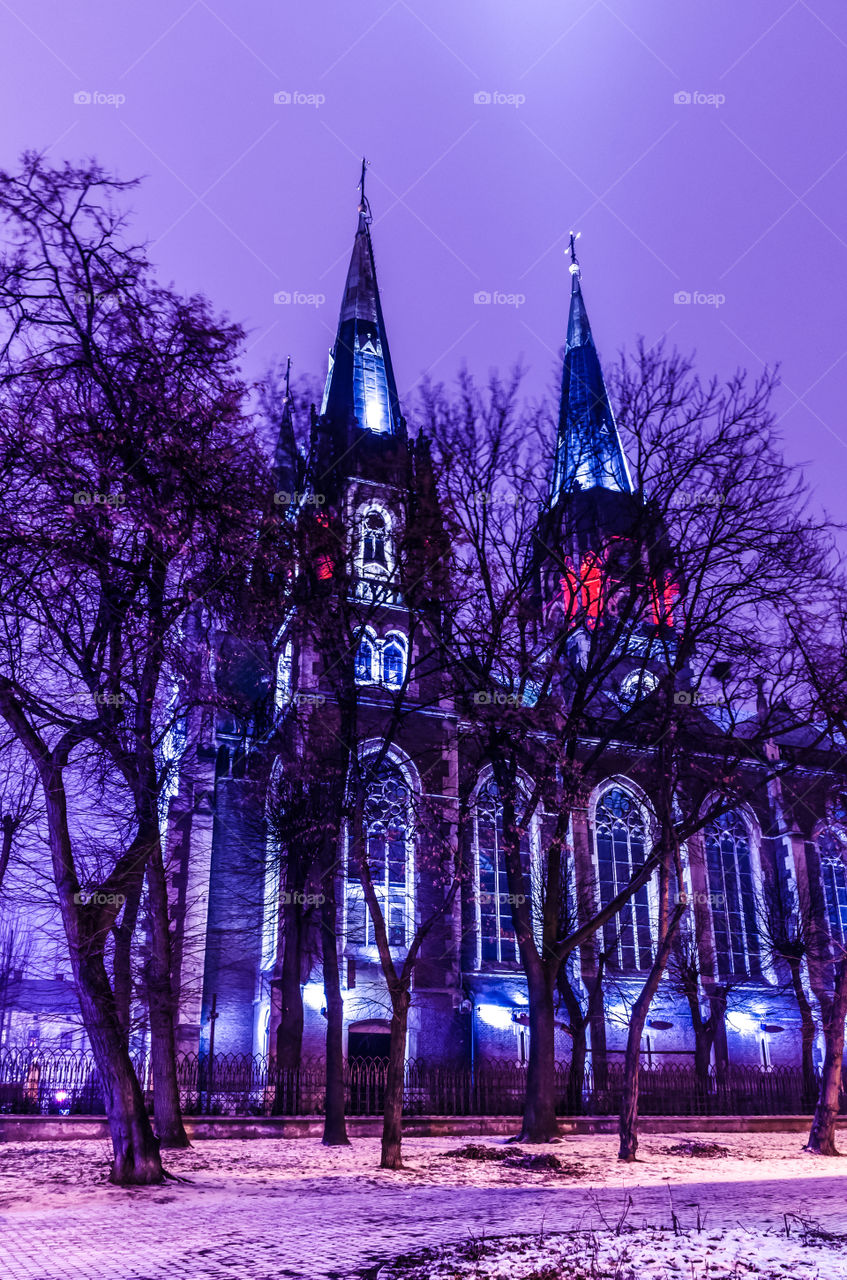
<point>628,1125</point>
<point>392,1123</point>
<point>807,1030</point>
<point>335,1126</point>
<point>134,1145</point>
<point>123,934</point>
<point>289,1036</point>
<point>135,1148</point>
<point>822,1135</point>
<point>539,1117</point>
<point>160,996</point>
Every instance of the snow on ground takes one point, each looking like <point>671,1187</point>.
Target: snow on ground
<point>272,1208</point>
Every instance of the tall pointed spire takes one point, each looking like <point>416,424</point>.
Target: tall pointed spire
<point>588,450</point>
<point>360,382</point>
<point>285,452</point>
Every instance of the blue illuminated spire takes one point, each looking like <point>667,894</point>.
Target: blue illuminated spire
<point>360,380</point>
<point>588,450</point>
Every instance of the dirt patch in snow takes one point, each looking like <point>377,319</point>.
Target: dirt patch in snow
<point>639,1254</point>
<point>700,1150</point>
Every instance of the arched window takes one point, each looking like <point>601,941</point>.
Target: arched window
<point>283,677</point>
<point>498,943</point>
<point>394,659</point>
<point>732,892</point>
<point>832,848</point>
<point>620,838</point>
<point>365,655</point>
<point>388,849</point>
<point>375,555</point>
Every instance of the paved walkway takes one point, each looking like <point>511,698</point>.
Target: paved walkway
<point>314,1229</point>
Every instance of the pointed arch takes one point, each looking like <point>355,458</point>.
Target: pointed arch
<point>496,943</point>
<point>623,828</point>
<point>389,834</point>
<point>732,845</point>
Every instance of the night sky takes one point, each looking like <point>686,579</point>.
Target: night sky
<point>698,145</point>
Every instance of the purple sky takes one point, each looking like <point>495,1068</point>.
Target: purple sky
<point>740,197</point>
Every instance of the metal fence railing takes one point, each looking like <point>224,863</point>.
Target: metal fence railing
<point>65,1082</point>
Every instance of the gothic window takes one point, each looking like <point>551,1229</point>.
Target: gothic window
<point>370,387</point>
<point>283,677</point>
<point>374,543</point>
<point>365,655</point>
<point>637,685</point>
<point>388,849</point>
<point>498,943</point>
<point>381,661</point>
<point>394,659</point>
<point>732,890</point>
<point>621,838</point>
<point>832,848</point>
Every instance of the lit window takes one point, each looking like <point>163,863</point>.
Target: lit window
<point>394,660</point>
<point>374,535</point>
<point>620,839</point>
<point>283,676</point>
<point>636,686</point>
<point>497,937</point>
<point>365,660</point>
<point>388,849</point>
<point>729,863</point>
<point>833,850</point>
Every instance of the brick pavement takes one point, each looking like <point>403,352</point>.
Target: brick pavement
<point>316,1229</point>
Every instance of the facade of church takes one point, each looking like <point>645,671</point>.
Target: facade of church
<point>469,1003</point>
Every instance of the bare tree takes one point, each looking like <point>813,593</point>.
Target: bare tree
<point>131,492</point>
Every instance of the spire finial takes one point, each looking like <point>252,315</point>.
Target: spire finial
<point>364,207</point>
<point>288,380</point>
<point>574,267</point>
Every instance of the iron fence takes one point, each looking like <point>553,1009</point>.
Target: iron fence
<point>65,1082</point>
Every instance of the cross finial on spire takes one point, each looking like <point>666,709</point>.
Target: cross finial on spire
<point>364,207</point>
<point>574,267</point>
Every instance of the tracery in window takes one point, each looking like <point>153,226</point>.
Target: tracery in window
<point>732,892</point>
<point>620,839</point>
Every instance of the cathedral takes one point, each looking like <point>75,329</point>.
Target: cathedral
<point>469,997</point>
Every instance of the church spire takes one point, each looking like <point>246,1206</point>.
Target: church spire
<point>588,450</point>
<point>360,382</point>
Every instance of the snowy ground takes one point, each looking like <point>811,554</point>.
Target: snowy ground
<point>266,1209</point>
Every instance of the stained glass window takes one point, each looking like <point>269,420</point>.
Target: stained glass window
<point>833,851</point>
<point>732,890</point>
<point>497,937</point>
<point>387,830</point>
<point>620,839</point>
